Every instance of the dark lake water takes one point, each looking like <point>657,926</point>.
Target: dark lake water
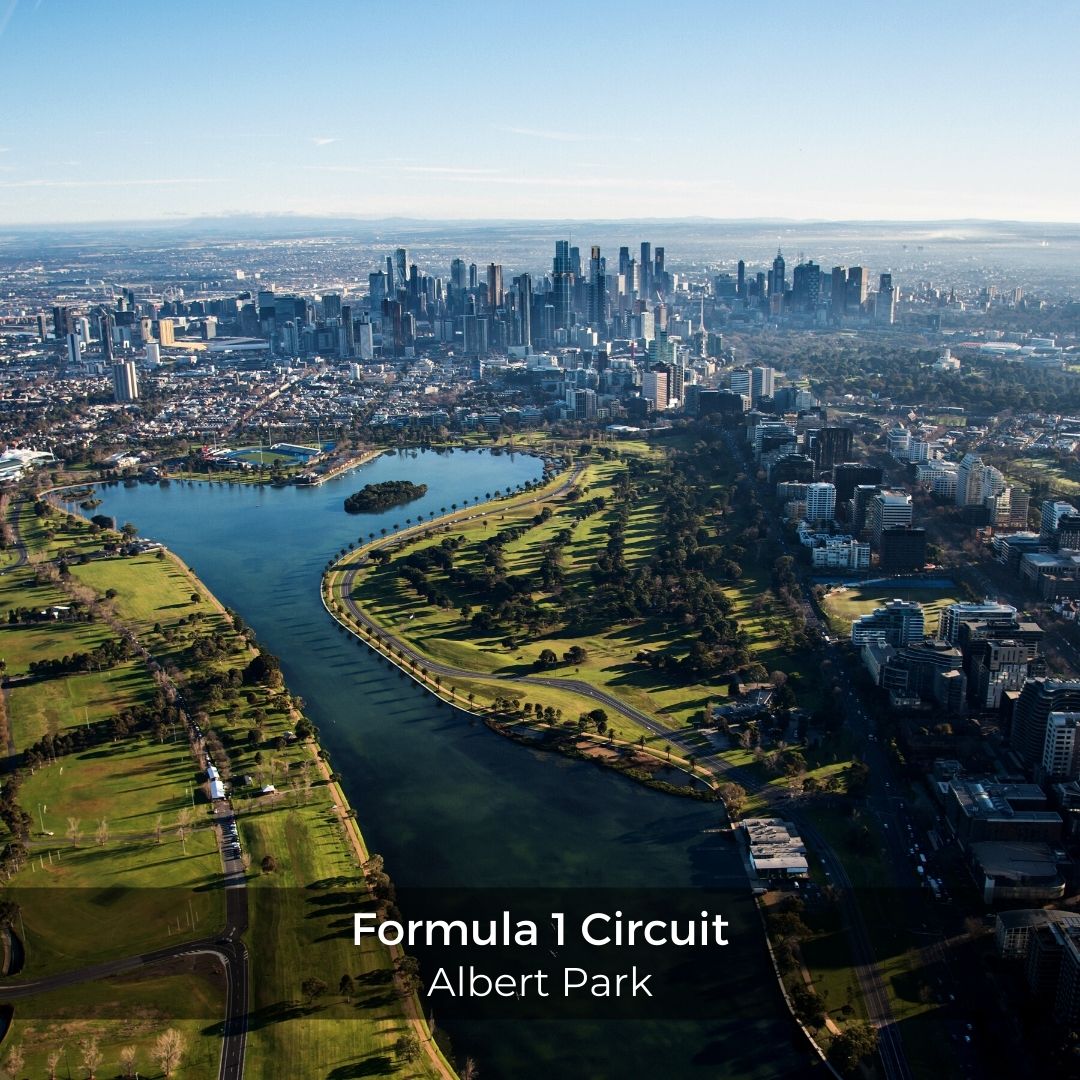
<point>447,802</point>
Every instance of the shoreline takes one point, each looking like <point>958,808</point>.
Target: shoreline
<point>412,1012</point>
<point>513,731</point>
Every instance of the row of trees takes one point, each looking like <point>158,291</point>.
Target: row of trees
<point>167,1052</point>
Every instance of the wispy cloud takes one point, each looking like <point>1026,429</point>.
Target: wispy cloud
<point>156,182</point>
<point>324,140</point>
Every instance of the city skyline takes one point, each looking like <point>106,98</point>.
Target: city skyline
<point>563,112</point>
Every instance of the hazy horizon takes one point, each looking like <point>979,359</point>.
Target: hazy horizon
<point>562,111</point>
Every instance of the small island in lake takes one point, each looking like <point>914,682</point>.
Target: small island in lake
<point>375,497</point>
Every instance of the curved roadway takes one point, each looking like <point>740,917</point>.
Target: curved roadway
<point>874,993</point>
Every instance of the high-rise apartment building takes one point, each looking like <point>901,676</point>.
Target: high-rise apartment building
<point>1039,698</point>
<point>888,510</point>
<point>976,481</point>
<point>899,622</point>
<point>654,388</point>
<point>1061,748</point>
<point>820,503</point>
<point>125,381</point>
<point>762,383</point>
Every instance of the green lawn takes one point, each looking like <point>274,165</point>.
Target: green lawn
<point>302,916</point>
<point>49,706</point>
<point>129,1011</point>
<point>149,590</point>
<point>86,901</point>
<point>444,636</point>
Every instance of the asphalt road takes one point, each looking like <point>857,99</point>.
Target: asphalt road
<point>891,1049</point>
<point>229,949</point>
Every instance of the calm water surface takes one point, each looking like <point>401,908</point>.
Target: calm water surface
<point>446,801</point>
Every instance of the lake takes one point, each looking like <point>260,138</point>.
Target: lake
<point>447,802</point>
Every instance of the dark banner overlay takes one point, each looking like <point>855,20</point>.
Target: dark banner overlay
<point>480,954</point>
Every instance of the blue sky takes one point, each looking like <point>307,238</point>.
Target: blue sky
<point>116,109</point>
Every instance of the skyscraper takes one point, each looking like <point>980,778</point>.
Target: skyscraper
<point>888,510</point>
<point>885,311</point>
<point>378,291</point>
<point>654,388</point>
<point>524,305</point>
<point>125,381</point>
<point>856,290</point>
<point>778,277</point>
<point>563,283</point>
<point>347,335</point>
<point>105,330</point>
<point>740,383</point>
<point>820,502</point>
<point>401,268</point>
<point>762,383</point>
<point>494,286</point>
<point>831,446</point>
<point>646,270</point>
<point>597,293</point>
<point>806,286</point>
<point>1031,716</point>
<point>740,281</point>
<point>838,292</point>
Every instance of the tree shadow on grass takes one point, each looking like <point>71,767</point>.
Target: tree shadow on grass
<point>375,1065</point>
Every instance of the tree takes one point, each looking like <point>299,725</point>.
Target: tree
<point>600,718</point>
<point>183,826</point>
<point>347,987</point>
<point>469,1070</point>
<point>857,1041</point>
<point>91,1056</point>
<point>575,655</point>
<point>102,833</point>
<point>734,796</point>
<point>52,1062</point>
<point>408,1048</point>
<point>313,987</point>
<point>74,832</point>
<point>15,1061</point>
<point>546,659</point>
<point>157,829</point>
<point>168,1049</point>
<point>129,530</point>
<point>127,1062</point>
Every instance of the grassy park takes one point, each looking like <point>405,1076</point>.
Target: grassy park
<point>130,1011</point>
<point>120,856</point>
<point>614,653</point>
